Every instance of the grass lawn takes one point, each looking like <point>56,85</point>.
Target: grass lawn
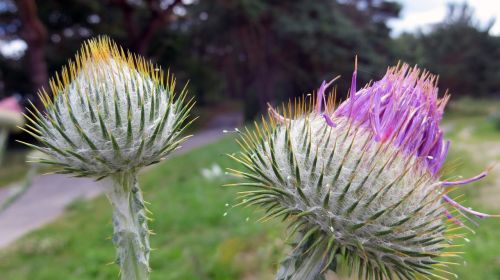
<point>475,145</point>
<point>195,238</point>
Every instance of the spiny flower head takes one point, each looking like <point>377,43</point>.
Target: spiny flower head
<point>109,111</point>
<point>11,113</point>
<point>362,180</point>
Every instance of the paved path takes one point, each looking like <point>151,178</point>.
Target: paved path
<point>51,194</point>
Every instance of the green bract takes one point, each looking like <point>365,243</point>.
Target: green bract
<point>109,112</point>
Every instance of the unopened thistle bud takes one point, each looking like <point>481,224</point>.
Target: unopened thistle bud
<point>110,114</point>
<point>360,183</point>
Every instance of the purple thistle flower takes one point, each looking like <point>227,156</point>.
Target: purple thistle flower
<point>360,182</point>
<point>404,108</point>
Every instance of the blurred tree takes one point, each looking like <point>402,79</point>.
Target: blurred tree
<point>462,51</point>
<point>256,50</point>
<point>54,30</point>
<point>141,28</point>
<point>269,50</point>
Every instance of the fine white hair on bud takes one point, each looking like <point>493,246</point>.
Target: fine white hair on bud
<point>358,183</point>
<point>109,112</point>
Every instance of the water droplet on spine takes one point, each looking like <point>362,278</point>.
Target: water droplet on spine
<point>236,130</point>
<point>225,214</point>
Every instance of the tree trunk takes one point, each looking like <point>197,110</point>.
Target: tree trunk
<point>159,19</point>
<point>35,35</point>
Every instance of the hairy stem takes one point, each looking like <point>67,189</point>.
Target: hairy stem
<point>3,142</point>
<point>304,263</point>
<point>131,234</point>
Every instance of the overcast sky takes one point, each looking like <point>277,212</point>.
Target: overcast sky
<point>420,13</point>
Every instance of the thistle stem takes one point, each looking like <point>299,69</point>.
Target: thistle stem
<point>304,263</point>
<point>27,183</point>
<point>131,234</point>
<point>3,143</point>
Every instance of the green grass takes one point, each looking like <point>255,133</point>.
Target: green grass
<point>475,145</point>
<point>195,240</point>
<point>481,258</point>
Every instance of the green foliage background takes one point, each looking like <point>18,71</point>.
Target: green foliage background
<point>258,51</point>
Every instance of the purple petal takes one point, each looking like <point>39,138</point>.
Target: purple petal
<point>466,181</point>
<point>276,115</point>
<point>319,98</point>
<point>329,121</point>
<point>403,106</point>
<point>463,208</point>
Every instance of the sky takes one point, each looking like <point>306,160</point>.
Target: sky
<point>422,13</point>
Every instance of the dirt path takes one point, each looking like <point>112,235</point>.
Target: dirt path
<point>51,194</point>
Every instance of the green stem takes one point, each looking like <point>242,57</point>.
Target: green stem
<point>304,263</point>
<point>131,234</point>
<point>3,143</point>
<point>27,183</point>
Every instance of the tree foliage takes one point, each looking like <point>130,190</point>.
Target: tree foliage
<point>461,50</point>
<point>269,50</point>
<point>255,50</point>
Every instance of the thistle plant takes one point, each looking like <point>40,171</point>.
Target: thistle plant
<point>110,114</point>
<point>359,183</point>
<point>11,117</point>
